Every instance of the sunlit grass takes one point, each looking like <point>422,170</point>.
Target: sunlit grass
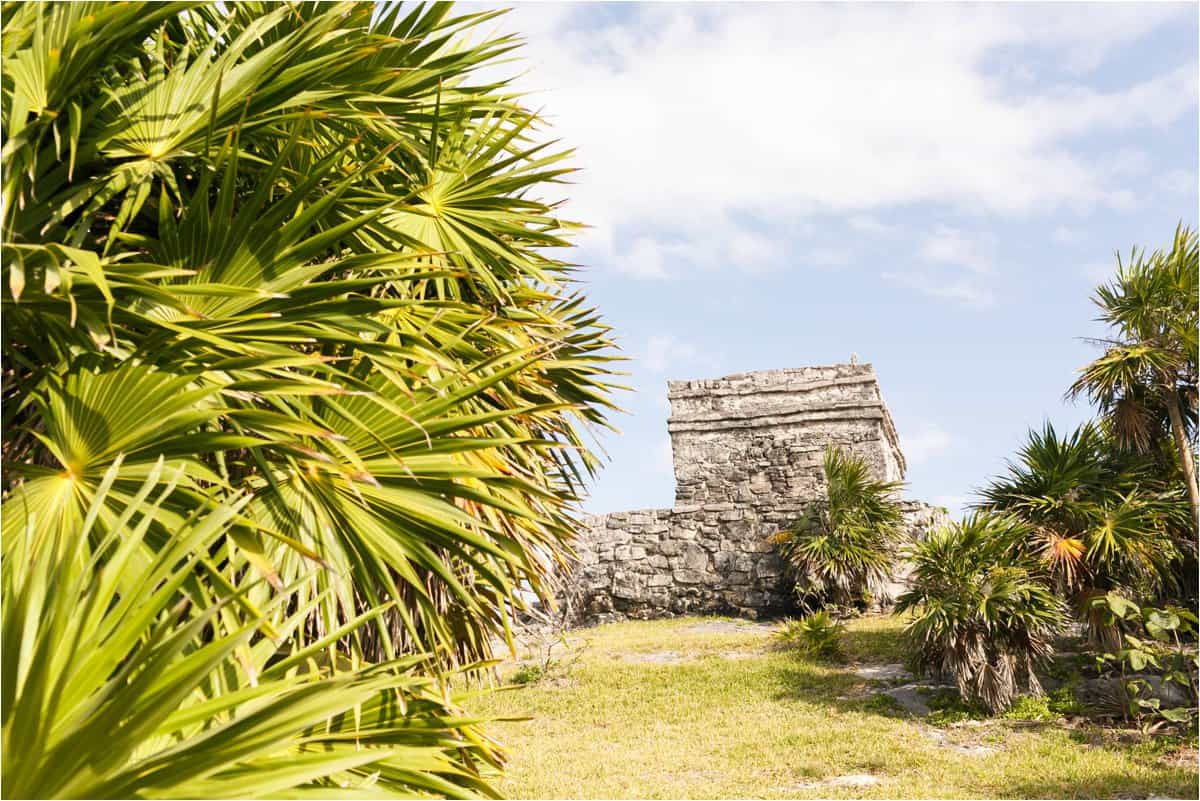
<point>696,707</point>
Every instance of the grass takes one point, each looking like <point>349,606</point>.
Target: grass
<point>709,708</point>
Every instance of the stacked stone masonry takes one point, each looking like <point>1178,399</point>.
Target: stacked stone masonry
<point>747,452</point>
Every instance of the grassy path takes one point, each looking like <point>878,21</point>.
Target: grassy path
<point>704,708</point>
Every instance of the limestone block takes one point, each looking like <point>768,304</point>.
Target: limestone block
<point>748,452</point>
<point>694,558</point>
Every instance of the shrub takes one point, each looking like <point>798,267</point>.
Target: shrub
<point>1157,650</point>
<point>815,636</point>
<point>1097,517</point>
<point>983,613</point>
<point>841,550</point>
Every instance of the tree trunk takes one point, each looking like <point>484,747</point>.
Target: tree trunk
<point>1185,455</point>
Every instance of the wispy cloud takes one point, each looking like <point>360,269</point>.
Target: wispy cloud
<point>714,126</point>
<point>865,223</point>
<point>957,248</point>
<point>964,291</point>
<point>925,443</point>
<point>668,354</point>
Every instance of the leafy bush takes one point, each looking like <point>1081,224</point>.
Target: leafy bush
<point>982,611</point>
<point>1049,706</point>
<point>815,636</point>
<point>842,549</point>
<point>1098,518</point>
<point>1153,646</point>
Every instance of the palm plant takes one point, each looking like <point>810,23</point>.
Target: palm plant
<point>982,611</point>
<point>1145,381</point>
<point>125,677</point>
<point>297,256</point>
<point>300,252</point>
<point>1096,517</point>
<point>814,636</point>
<point>843,547</point>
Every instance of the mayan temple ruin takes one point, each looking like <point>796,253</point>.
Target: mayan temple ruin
<point>747,451</point>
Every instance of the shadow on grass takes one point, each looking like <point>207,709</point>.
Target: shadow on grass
<point>1103,783</point>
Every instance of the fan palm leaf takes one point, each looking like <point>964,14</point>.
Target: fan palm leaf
<point>124,678</point>
<point>844,545</point>
<point>325,240</point>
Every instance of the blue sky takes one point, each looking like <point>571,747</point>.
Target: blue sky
<point>935,188</point>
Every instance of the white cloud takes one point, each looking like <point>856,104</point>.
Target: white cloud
<point>664,353</point>
<point>961,290</point>
<point>928,441</point>
<point>957,248</point>
<point>1098,272</point>
<point>1179,182</point>
<point>690,119</point>
<point>866,224</point>
<point>1066,235</point>
<point>957,266</point>
<point>645,260</point>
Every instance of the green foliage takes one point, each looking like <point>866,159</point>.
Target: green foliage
<point>301,251</point>
<point>947,708</point>
<point>300,258</point>
<point>1053,705</point>
<point>815,636</point>
<point>883,704</point>
<point>556,659</point>
<point>982,611</point>
<point>126,677</point>
<point>1145,381</point>
<point>1150,364</point>
<point>1098,518</point>
<point>1158,642</point>
<point>842,549</point>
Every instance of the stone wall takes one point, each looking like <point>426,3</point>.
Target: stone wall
<point>714,558</point>
<point>748,452</point>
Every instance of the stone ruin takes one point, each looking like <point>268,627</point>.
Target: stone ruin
<point>748,451</point>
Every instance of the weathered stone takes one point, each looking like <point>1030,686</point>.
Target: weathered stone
<point>748,453</point>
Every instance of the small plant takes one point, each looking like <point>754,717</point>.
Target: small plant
<point>841,551</point>
<point>1155,652</point>
<point>983,613</point>
<point>884,704</point>
<point>1051,706</point>
<point>549,664</point>
<point>815,636</point>
<point>531,673</point>
<point>947,707</point>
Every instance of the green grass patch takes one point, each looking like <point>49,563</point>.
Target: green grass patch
<point>708,708</point>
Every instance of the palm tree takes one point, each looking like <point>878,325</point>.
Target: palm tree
<point>982,613</point>
<point>1145,382</point>
<point>842,548</point>
<point>1098,518</point>
<point>300,255</point>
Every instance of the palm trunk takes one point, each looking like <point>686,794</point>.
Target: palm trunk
<point>1185,455</point>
